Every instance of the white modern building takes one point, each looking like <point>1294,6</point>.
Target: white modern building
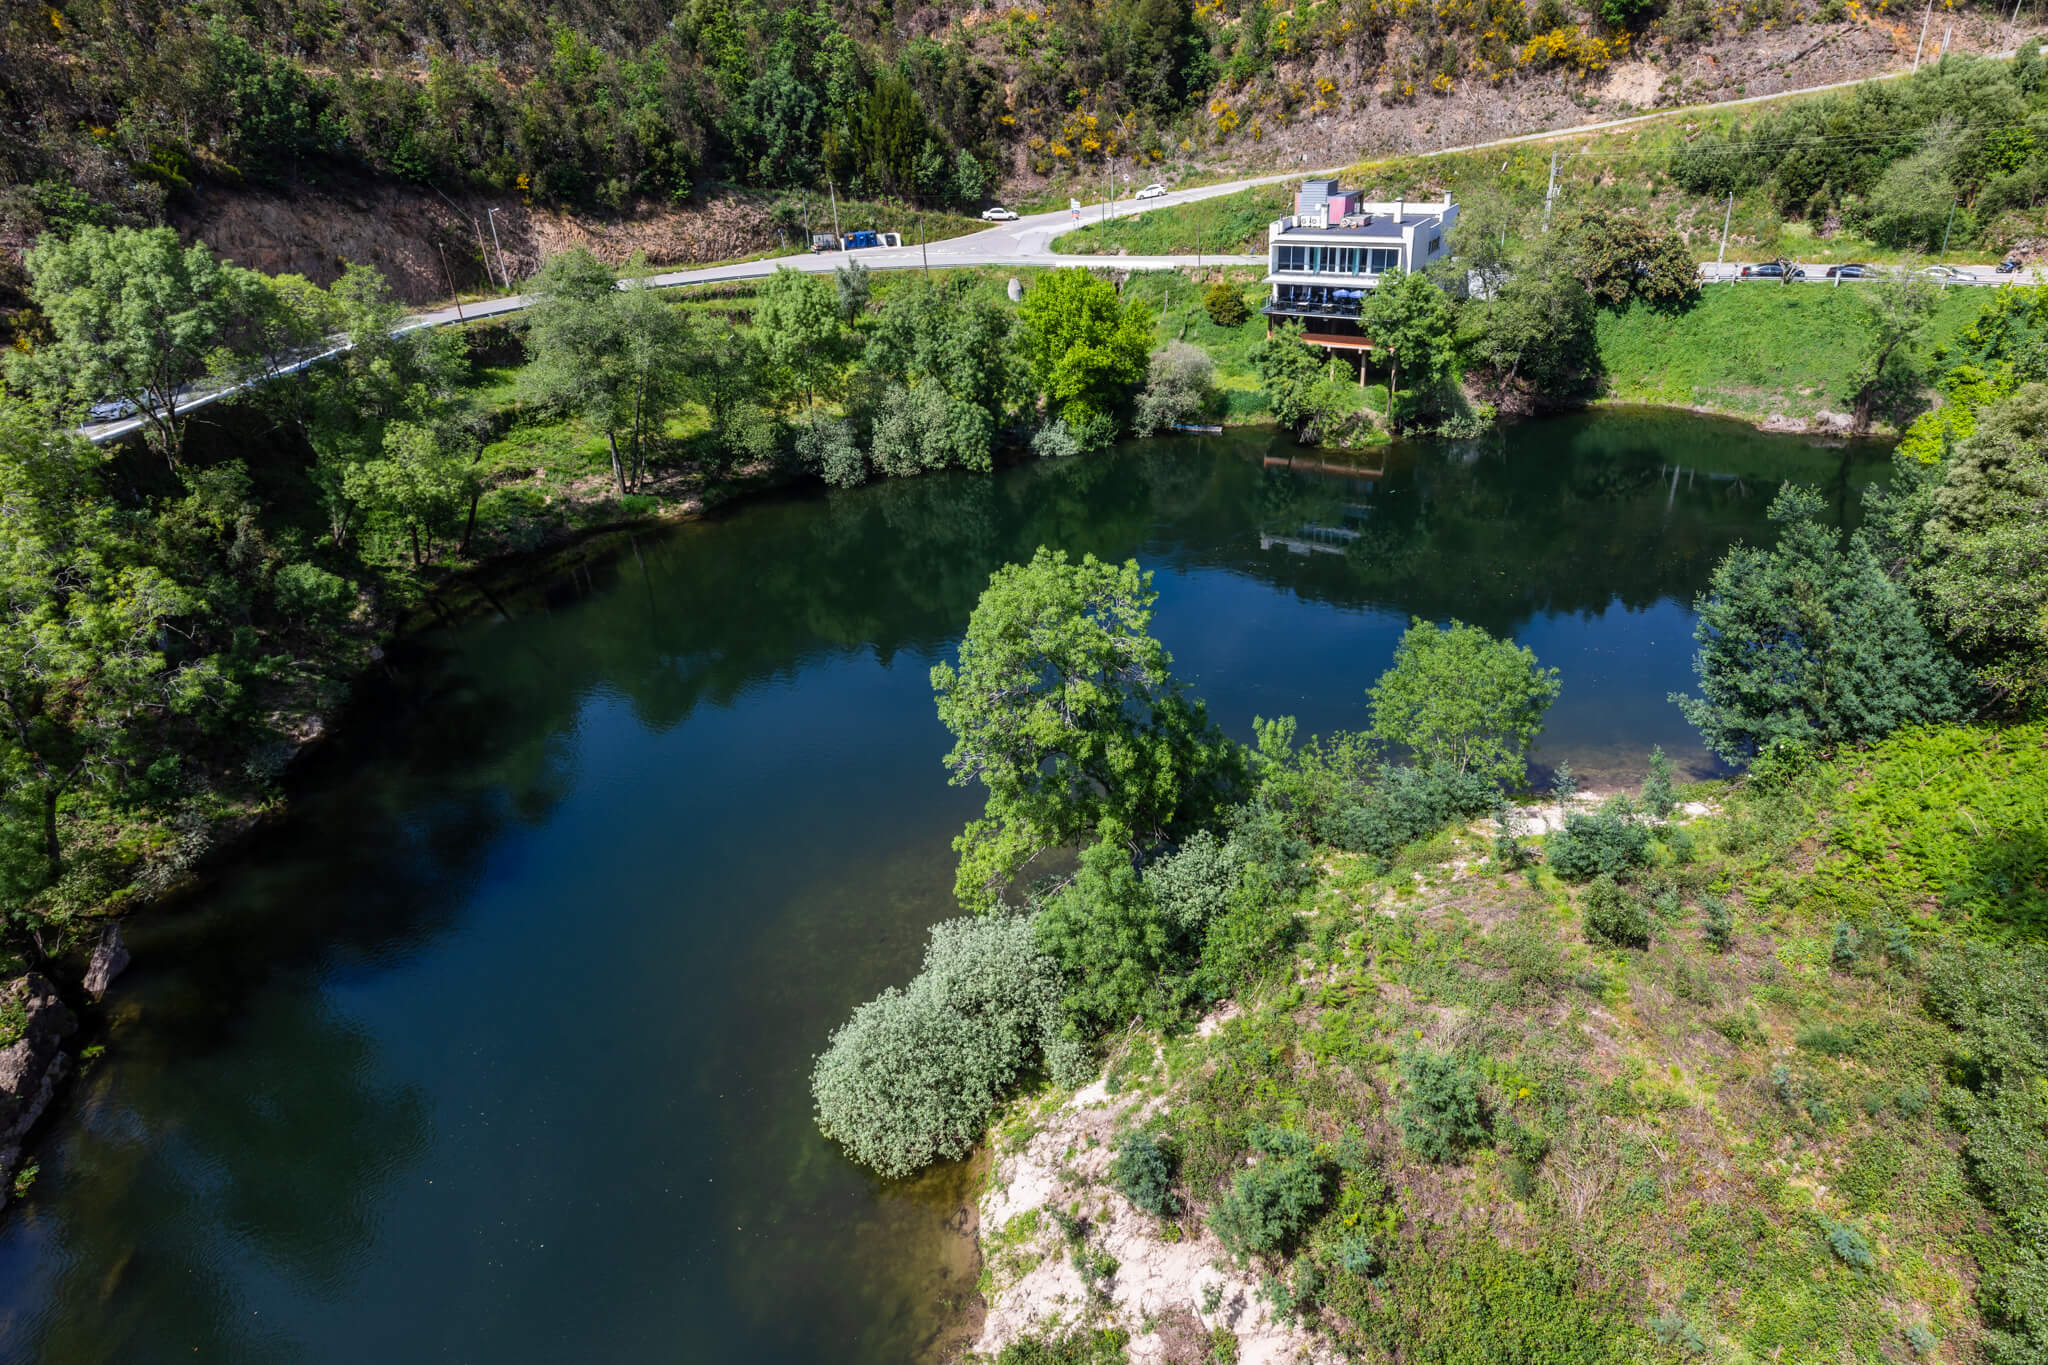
<point>1335,245</point>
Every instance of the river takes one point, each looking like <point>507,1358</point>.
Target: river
<point>497,1049</point>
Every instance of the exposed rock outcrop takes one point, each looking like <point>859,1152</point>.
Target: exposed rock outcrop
<point>109,960</point>
<point>32,1065</point>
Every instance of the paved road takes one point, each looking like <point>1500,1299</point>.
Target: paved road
<point>1817,273</point>
<point>1027,242</point>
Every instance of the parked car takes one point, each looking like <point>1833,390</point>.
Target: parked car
<point>1151,192</point>
<point>111,410</point>
<point>1850,272</point>
<point>824,241</point>
<point>2010,264</point>
<point>1940,272</point>
<point>998,214</point>
<point>1774,270</point>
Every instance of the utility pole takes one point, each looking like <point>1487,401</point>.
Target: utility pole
<point>2013,26</point>
<point>1946,34</point>
<point>1923,34</point>
<point>839,242</point>
<point>1551,193</point>
<point>1721,258</point>
<point>921,247</point>
<point>1945,232</point>
<point>503,270</point>
<point>451,278</point>
<point>1109,189</point>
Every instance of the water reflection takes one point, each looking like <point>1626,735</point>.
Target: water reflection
<point>497,1049</point>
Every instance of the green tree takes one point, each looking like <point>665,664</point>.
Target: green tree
<point>87,682</point>
<point>1463,699</point>
<point>417,484</point>
<point>944,355</point>
<point>615,354</point>
<point>1119,954</point>
<point>1086,349</point>
<point>1410,323</point>
<point>796,317</point>
<point>1970,537</point>
<point>1621,258</point>
<point>345,405</point>
<point>1064,709</point>
<point>134,316</point>
<point>1310,390</point>
<point>1538,330</point>
<point>1896,313</point>
<point>1178,388</point>
<point>1810,643</point>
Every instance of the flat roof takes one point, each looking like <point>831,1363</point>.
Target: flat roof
<point>1381,229</point>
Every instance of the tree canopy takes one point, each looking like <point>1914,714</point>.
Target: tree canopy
<point>1063,707</point>
<point>1462,699</point>
<point>1809,643</point>
<point>1086,349</point>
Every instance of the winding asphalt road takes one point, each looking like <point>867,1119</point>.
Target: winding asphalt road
<point>1027,241</point>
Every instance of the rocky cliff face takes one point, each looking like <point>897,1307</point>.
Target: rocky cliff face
<point>32,1065</point>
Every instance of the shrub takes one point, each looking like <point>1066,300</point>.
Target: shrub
<point>1192,886</point>
<point>1407,804</point>
<point>911,1077</point>
<point>1849,1245</point>
<point>311,595</point>
<point>1614,916</point>
<point>1658,798</point>
<point>1442,1115</point>
<point>1077,1346</point>
<point>1717,924</point>
<point>1143,1172</point>
<point>1671,1329</point>
<point>1270,1204</point>
<point>1225,305</point>
<point>1180,381</point>
<point>1609,842</point>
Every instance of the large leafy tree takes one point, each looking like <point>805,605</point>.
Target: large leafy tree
<point>1621,258</point>
<point>135,316</point>
<point>796,316</point>
<point>944,356</point>
<point>90,671</point>
<point>1087,349</point>
<point>615,354</point>
<point>1410,323</point>
<point>1064,709</point>
<point>1310,390</point>
<point>1896,313</point>
<point>1809,643</point>
<point>1462,699</point>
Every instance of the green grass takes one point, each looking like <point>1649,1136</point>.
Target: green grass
<point>1230,224</point>
<point>1752,349</point>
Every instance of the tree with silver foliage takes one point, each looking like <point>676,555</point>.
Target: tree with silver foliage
<point>912,1077</point>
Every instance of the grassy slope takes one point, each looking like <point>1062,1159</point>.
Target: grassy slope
<point>1752,350</point>
<point>1228,224</point>
<point>1682,1177</point>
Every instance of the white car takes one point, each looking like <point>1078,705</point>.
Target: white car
<point>111,410</point>
<point>1151,192</point>
<point>998,214</point>
<point>1941,272</point>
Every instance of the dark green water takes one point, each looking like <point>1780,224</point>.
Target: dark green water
<point>497,1051</point>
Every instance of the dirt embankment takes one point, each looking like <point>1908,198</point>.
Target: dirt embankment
<point>1728,66</point>
<point>426,242</point>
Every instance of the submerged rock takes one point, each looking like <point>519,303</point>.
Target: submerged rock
<point>31,1065</point>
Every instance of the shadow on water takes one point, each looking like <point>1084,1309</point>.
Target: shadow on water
<point>498,1048</point>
